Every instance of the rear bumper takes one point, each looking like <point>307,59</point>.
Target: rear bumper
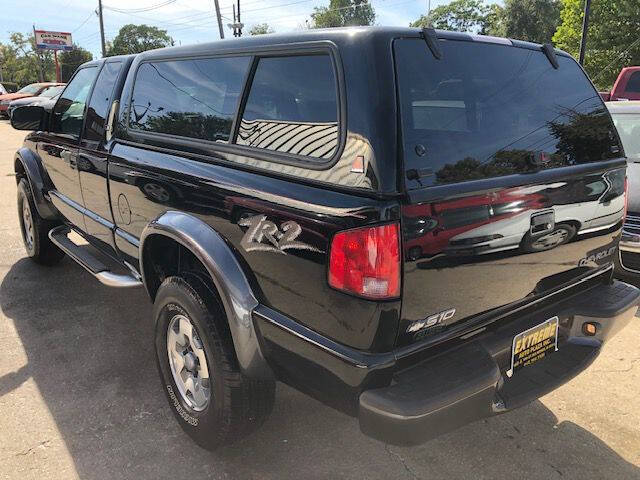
<point>469,382</point>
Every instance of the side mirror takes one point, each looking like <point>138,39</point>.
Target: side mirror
<point>28,117</point>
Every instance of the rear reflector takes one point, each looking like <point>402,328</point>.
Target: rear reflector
<point>366,261</point>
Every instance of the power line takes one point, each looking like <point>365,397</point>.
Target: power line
<point>603,70</point>
<point>85,21</point>
<point>141,9</point>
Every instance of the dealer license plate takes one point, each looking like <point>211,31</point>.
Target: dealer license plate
<point>534,344</point>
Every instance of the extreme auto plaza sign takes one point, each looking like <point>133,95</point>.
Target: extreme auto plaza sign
<point>53,40</point>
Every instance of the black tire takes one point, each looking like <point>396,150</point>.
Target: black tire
<point>237,405</point>
<point>36,242</point>
<point>564,231</point>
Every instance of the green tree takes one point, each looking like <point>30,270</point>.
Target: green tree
<point>71,60</point>
<point>458,15</point>
<point>261,29</point>
<point>530,20</point>
<point>343,13</point>
<point>138,38</point>
<point>612,42</point>
<point>23,63</point>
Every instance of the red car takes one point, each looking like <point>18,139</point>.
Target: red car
<point>28,91</point>
<point>627,86</point>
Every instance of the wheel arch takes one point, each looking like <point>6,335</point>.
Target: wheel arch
<point>574,223</point>
<point>226,273</point>
<point>28,165</point>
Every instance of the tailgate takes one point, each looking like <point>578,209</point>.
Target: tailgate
<point>515,180</point>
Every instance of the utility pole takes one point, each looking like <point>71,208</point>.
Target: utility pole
<point>217,5</point>
<point>585,28</point>
<point>104,49</point>
<point>236,25</point>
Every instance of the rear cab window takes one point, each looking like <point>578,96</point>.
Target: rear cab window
<point>486,110</point>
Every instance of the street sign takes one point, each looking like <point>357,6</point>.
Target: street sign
<point>46,40</point>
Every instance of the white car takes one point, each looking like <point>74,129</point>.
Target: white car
<point>538,229</point>
<point>626,117</point>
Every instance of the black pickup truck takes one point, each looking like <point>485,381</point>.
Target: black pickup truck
<point>415,227</point>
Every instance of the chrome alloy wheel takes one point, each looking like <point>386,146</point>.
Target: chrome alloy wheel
<point>551,240</point>
<point>27,222</point>
<point>188,363</point>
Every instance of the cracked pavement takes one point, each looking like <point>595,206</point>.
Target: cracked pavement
<point>80,398</point>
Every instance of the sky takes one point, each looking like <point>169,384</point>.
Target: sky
<point>187,21</point>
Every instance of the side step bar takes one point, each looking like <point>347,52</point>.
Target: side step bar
<point>90,262</point>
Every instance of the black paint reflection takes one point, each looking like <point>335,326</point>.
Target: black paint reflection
<point>523,219</point>
<point>490,249</point>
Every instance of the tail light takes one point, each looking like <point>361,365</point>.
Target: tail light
<point>366,261</point>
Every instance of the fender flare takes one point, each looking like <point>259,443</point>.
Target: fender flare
<point>228,277</point>
<point>31,163</point>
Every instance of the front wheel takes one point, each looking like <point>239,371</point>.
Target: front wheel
<point>211,399</point>
<point>35,229</point>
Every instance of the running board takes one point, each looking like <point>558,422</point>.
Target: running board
<point>90,262</point>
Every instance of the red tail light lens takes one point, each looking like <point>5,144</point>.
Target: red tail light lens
<point>366,261</point>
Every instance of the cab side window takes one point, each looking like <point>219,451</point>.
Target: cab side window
<point>68,113</point>
<point>189,98</point>
<point>99,103</point>
<point>292,107</point>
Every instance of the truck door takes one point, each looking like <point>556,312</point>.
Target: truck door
<point>59,148</point>
<point>92,158</point>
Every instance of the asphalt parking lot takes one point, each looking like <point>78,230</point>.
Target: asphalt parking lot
<point>80,398</point>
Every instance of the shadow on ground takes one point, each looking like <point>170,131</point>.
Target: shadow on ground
<point>90,353</point>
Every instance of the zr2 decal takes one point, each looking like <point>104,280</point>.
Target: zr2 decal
<point>265,236</point>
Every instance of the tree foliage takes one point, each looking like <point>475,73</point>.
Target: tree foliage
<point>530,20</point>
<point>70,60</point>
<point>138,38</point>
<point>613,39</point>
<point>458,15</point>
<point>342,13</point>
<point>22,63</point>
<point>261,29</point>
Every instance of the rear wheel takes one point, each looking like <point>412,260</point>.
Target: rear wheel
<point>213,402</point>
<point>35,229</point>
<point>561,234</point>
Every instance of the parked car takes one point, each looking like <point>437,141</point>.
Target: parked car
<point>292,174</point>
<point>44,96</point>
<point>31,90</point>
<point>2,90</point>
<point>626,86</point>
<point>626,117</point>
